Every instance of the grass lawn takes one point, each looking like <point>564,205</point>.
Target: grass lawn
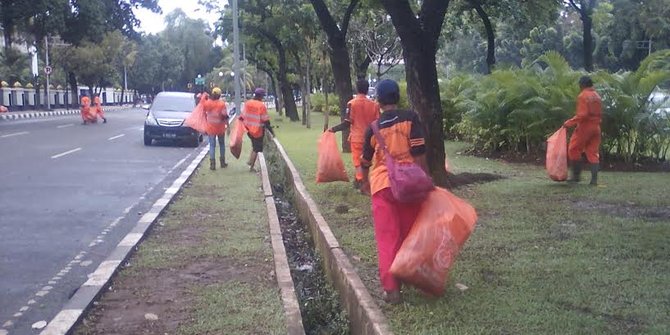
<point>545,257</point>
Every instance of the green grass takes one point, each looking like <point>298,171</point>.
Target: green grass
<point>545,258</point>
<point>225,214</point>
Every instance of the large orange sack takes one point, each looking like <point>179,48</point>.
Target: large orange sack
<point>444,223</point>
<point>557,155</point>
<point>197,119</point>
<point>236,137</point>
<point>329,164</point>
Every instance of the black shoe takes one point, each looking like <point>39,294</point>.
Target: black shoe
<point>104,120</point>
<point>576,171</point>
<point>357,184</point>
<point>392,297</point>
<point>594,175</point>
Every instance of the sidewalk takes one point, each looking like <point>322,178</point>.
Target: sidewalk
<point>54,112</point>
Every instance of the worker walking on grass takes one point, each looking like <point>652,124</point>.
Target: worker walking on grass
<point>256,120</point>
<point>217,122</point>
<point>403,136</point>
<point>586,137</point>
<point>361,111</point>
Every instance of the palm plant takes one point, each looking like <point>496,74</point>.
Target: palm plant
<point>630,129</point>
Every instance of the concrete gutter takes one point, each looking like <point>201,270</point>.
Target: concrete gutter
<point>37,114</point>
<point>294,323</point>
<point>65,321</point>
<point>365,316</point>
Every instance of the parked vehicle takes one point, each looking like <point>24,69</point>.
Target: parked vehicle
<point>165,119</point>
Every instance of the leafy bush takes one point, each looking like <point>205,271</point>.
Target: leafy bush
<point>516,109</point>
<point>318,101</point>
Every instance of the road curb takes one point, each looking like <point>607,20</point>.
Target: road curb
<point>32,115</point>
<point>365,316</point>
<point>294,323</point>
<point>83,298</point>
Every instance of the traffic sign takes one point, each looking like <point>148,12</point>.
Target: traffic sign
<point>200,81</point>
<point>48,69</point>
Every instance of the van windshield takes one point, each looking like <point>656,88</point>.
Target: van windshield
<point>173,104</point>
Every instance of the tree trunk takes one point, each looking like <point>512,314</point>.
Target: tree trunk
<point>339,61</point>
<point>73,86</point>
<point>325,109</point>
<point>490,36</point>
<point>362,68</point>
<point>284,85</point>
<point>307,98</point>
<point>419,36</point>
<point>587,24</point>
<point>339,56</point>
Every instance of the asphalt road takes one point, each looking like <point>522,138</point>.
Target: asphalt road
<point>68,195</point>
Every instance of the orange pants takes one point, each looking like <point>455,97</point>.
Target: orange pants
<point>99,111</point>
<point>585,139</point>
<point>356,153</point>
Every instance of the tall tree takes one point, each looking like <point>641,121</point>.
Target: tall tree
<point>419,33</point>
<point>336,33</point>
<point>585,10</point>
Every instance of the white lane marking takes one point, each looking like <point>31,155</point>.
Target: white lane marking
<point>115,137</point>
<point>65,153</point>
<point>65,125</point>
<point>14,134</point>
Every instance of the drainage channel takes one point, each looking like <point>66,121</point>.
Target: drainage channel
<point>319,302</point>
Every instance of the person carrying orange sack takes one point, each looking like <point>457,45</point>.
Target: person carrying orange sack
<point>85,110</point>
<point>361,111</point>
<point>98,108</point>
<point>256,119</point>
<point>586,137</point>
<point>404,138</point>
<point>217,123</point>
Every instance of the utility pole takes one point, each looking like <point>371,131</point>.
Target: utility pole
<point>244,72</point>
<point>236,58</point>
<point>46,89</point>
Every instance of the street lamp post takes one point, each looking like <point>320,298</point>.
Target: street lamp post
<point>236,56</point>
<point>46,89</point>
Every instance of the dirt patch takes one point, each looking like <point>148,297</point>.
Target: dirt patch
<point>617,323</point>
<point>466,178</point>
<point>165,293</point>
<point>607,164</point>
<point>625,210</point>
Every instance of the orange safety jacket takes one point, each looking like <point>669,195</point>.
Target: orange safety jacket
<point>361,111</point>
<point>217,116</point>
<point>589,109</point>
<point>254,116</point>
<point>85,103</point>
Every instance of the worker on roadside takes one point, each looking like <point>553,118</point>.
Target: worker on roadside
<point>85,109</point>
<point>403,134</point>
<point>98,112</point>
<point>361,111</point>
<point>586,137</point>
<point>256,119</point>
<point>217,122</point>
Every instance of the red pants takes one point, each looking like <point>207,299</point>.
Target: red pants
<point>586,139</point>
<point>356,153</point>
<point>393,221</point>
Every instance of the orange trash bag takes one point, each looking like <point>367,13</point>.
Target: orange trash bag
<point>444,223</point>
<point>329,165</point>
<point>557,155</point>
<point>197,119</point>
<point>236,137</point>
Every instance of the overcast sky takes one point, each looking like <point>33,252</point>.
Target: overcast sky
<point>153,23</point>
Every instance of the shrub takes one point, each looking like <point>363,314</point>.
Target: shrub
<point>318,101</point>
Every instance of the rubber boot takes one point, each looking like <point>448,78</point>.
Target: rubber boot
<point>594,175</point>
<point>576,171</point>
<point>212,164</point>
<point>223,163</point>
